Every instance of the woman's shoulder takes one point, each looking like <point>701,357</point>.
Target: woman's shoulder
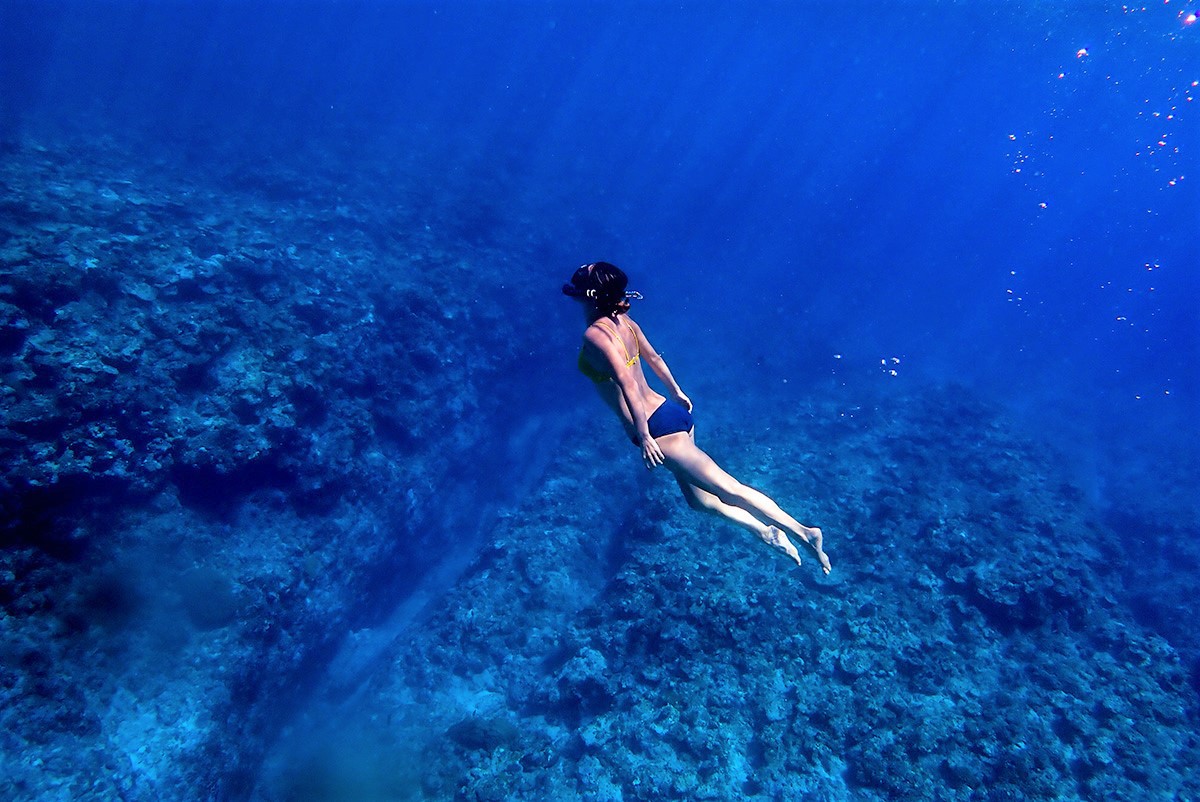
<point>596,333</point>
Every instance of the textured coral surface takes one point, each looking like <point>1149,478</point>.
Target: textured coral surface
<point>297,505</point>
<point>233,404</point>
<point>609,643</point>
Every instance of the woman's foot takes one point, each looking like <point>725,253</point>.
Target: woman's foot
<point>812,536</point>
<point>775,537</point>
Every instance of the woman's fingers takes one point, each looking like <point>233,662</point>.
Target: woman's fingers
<point>652,454</point>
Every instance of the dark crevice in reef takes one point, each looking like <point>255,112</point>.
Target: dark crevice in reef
<point>49,518</point>
<point>212,490</point>
<point>475,480</point>
<point>419,545</point>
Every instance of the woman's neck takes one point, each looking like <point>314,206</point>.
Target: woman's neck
<point>593,316</point>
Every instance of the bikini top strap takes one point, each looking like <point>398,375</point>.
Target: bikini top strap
<point>637,343</point>
<point>612,327</point>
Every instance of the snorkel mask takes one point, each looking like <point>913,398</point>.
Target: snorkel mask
<point>600,281</point>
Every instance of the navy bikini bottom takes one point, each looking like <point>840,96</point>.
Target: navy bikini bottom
<point>669,418</point>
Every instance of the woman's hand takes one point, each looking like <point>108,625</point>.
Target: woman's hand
<point>651,453</point>
<point>682,400</point>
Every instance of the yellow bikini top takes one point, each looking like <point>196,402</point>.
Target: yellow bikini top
<point>586,368</point>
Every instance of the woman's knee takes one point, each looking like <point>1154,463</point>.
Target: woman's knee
<point>733,492</point>
<point>696,499</point>
<point>721,488</point>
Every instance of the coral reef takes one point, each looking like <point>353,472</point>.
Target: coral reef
<point>971,642</point>
<point>253,414</point>
<point>231,404</point>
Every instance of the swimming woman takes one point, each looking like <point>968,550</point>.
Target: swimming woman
<point>614,348</point>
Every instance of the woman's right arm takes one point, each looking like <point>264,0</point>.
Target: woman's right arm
<point>651,453</point>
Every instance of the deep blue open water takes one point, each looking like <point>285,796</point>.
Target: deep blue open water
<point>994,193</point>
<point>827,206</point>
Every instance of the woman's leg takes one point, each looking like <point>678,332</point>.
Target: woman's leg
<point>703,501</point>
<point>697,469</point>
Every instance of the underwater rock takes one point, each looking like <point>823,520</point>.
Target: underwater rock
<point>583,683</point>
<point>483,734</point>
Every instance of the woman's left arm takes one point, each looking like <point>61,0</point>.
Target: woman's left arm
<point>659,366</point>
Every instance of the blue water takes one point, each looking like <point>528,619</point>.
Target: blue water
<point>826,203</point>
<point>883,176</point>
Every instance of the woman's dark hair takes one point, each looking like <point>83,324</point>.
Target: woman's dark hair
<point>603,284</point>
